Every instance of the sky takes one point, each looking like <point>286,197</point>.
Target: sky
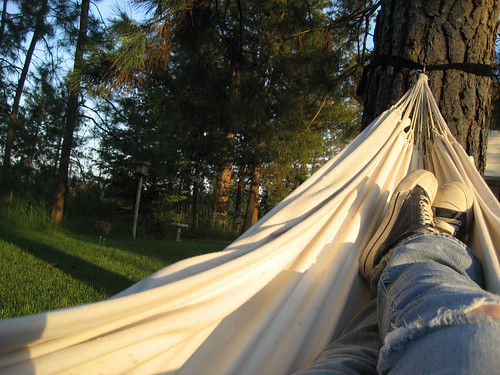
<point>109,8</point>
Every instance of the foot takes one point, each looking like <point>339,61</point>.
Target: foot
<point>453,209</point>
<point>409,211</point>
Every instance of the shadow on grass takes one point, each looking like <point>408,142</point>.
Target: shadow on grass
<point>164,250</point>
<point>96,277</point>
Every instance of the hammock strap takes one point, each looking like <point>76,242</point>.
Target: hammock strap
<point>401,62</point>
<point>398,62</point>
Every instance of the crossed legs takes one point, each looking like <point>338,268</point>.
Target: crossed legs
<point>431,314</point>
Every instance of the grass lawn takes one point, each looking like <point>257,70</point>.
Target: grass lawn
<point>42,268</point>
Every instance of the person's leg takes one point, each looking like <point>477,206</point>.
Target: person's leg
<point>355,351</point>
<point>433,314</point>
<point>434,317</point>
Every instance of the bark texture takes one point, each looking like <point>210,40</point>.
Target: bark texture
<point>223,184</point>
<point>252,213</point>
<point>431,33</point>
<point>222,190</point>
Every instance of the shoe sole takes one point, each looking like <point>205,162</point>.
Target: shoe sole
<point>419,177</point>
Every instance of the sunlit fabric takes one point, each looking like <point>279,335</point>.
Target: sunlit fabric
<point>272,300</point>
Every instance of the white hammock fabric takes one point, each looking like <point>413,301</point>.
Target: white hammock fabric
<point>272,300</point>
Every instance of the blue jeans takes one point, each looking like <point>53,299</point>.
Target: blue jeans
<point>422,321</point>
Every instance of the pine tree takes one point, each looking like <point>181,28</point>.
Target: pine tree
<point>71,119</point>
<point>38,32</point>
<point>250,86</point>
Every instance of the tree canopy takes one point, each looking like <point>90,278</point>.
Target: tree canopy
<point>264,89</point>
<point>233,102</point>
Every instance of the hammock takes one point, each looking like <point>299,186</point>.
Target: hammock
<point>271,301</point>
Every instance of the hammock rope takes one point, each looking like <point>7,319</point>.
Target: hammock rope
<point>271,301</point>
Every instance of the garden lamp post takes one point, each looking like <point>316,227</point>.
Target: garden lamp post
<point>141,170</point>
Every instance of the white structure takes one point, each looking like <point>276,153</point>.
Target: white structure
<point>492,170</point>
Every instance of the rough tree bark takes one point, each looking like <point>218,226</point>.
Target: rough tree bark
<point>431,33</point>
<point>252,213</point>
<point>223,184</point>
<point>222,193</point>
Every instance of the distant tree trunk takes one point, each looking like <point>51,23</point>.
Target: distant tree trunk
<point>222,193</point>
<point>71,119</point>
<point>3,20</point>
<point>252,213</point>
<point>11,127</point>
<point>195,212</point>
<point>438,32</point>
<point>223,184</point>
<point>239,196</point>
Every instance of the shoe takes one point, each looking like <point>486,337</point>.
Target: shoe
<point>453,209</point>
<point>409,211</point>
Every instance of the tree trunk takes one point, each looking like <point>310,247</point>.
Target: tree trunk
<point>252,214</point>
<point>222,194</point>
<point>239,196</point>
<point>195,209</point>
<point>432,33</point>
<point>223,184</point>
<point>11,127</point>
<point>4,20</point>
<point>71,119</point>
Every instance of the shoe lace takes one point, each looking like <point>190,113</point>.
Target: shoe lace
<point>448,225</point>
<point>426,214</point>
<point>449,221</point>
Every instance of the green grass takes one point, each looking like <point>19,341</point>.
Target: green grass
<point>43,268</point>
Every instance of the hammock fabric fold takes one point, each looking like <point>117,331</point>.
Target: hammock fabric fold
<point>271,301</point>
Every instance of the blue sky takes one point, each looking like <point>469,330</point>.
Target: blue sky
<point>109,8</point>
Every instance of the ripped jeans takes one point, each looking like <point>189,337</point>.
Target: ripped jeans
<point>424,320</point>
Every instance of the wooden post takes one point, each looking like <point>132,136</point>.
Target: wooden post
<point>136,210</point>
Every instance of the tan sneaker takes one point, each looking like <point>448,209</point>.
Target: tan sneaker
<point>453,209</point>
<point>409,211</point>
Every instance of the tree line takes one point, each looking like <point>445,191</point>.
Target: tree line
<point>234,103</point>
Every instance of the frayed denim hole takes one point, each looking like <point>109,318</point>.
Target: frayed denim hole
<point>396,340</point>
<point>480,307</point>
